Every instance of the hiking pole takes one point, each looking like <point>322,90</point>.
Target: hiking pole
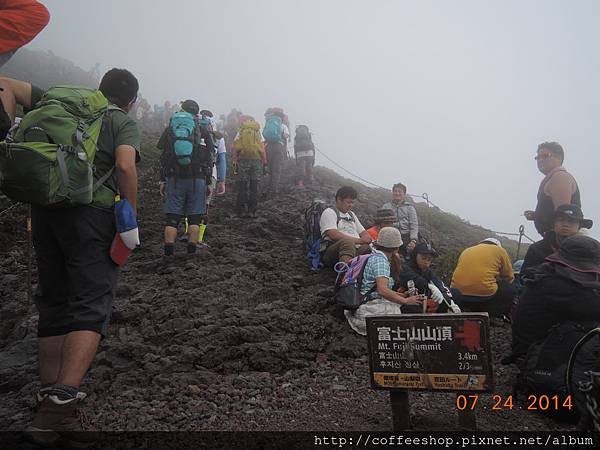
<point>521,233</point>
<point>29,289</point>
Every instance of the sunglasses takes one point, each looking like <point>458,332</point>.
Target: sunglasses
<point>543,156</point>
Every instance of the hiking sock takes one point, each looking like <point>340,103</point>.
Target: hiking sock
<point>169,249</point>
<point>62,391</point>
<point>191,249</point>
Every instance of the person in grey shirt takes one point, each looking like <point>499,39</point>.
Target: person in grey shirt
<point>406,217</point>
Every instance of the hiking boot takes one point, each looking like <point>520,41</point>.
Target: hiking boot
<point>60,420</point>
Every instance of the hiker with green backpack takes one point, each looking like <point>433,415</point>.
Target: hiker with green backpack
<point>69,158</point>
<point>185,172</point>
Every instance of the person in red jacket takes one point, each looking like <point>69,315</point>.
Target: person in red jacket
<point>20,22</point>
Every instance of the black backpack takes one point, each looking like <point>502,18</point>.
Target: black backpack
<point>545,370</point>
<point>311,227</point>
<point>583,379</point>
<point>303,139</point>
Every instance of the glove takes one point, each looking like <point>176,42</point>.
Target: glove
<point>220,188</point>
<point>454,307</point>
<point>436,294</point>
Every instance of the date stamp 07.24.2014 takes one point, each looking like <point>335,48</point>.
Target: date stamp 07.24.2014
<point>496,402</point>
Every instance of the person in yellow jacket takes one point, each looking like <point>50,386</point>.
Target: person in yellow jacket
<point>248,158</point>
<point>484,277</point>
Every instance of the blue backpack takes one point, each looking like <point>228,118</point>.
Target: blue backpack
<point>272,130</point>
<point>183,126</point>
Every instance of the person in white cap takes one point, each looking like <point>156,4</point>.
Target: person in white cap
<point>484,276</point>
<point>378,283</point>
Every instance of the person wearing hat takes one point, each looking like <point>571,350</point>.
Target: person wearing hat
<point>484,277</point>
<point>418,270</point>
<point>558,187</point>
<point>565,288</point>
<point>183,183</point>
<point>568,220</point>
<point>384,218</point>
<point>378,283</point>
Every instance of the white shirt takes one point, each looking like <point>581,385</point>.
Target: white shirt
<point>220,149</point>
<point>285,131</point>
<point>329,222</point>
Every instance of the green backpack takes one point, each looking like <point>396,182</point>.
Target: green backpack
<point>50,159</point>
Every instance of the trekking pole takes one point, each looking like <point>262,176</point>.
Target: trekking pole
<point>521,233</point>
<point>29,289</point>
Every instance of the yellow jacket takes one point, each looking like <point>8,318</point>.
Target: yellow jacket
<point>478,268</point>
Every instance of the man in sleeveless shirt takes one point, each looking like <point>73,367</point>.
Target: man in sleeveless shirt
<point>557,188</point>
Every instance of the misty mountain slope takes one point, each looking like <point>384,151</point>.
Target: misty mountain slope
<point>240,337</point>
<point>45,69</point>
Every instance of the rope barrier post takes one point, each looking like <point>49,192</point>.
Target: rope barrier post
<point>521,233</point>
<point>29,269</point>
<point>425,196</point>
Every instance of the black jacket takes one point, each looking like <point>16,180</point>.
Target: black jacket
<point>422,279</point>
<point>550,297</point>
<point>202,157</point>
<point>538,251</point>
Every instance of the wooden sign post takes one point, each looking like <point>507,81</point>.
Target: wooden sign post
<point>430,352</point>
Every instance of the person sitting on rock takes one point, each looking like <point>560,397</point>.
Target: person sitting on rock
<point>406,217</point>
<point>566,287</point>
<point>484,276</point>
<point>343,236</point>
<point>418,270</point>
<point>384,218</point>
<point>568,220</point>
<point>378,283</point>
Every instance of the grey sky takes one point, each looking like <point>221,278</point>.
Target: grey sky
<point>450,98</point>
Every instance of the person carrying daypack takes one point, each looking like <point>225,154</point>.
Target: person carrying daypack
<point>276,134</point>
<point>342,235</point>
<point>186,167</point>
<point>69,158</point>
<point>367,285</point>
<point>565,288</point>
<point>304,150</point>
<point>250,160</point>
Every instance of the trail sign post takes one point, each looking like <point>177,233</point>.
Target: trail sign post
<point>429,352</point>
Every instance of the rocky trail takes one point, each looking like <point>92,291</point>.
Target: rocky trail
<point>241,337</point>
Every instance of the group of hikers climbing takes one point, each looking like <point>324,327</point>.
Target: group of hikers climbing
<point>73,158</point>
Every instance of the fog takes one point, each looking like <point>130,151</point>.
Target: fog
<point>450,98</point>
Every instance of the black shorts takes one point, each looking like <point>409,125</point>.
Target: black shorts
<point>77,277</point>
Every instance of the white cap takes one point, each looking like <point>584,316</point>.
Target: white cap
<point>492,241</point>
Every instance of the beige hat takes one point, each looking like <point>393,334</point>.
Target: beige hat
<point>389,237</point>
